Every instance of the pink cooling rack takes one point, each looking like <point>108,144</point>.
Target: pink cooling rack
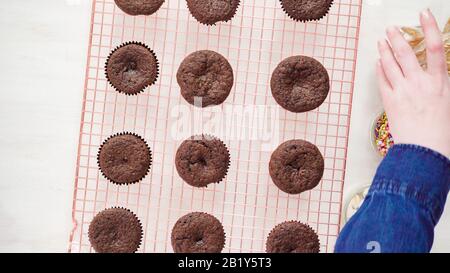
<point>247,203</point>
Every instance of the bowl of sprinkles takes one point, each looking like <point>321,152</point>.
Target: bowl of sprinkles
<point>381,136</point>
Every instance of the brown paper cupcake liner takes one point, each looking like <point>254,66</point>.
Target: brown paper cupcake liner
<point>122,134</point>
<point>292,221</point>
<point>306,20</point>
<point>137,218</point>
<point>208,136</point>
<point>208,214</point>
<point>132,43</point>
<point>224,21</point>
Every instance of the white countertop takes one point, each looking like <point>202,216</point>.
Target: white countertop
<point>43,55</point>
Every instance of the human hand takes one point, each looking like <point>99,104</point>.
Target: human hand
<point>417,102</point>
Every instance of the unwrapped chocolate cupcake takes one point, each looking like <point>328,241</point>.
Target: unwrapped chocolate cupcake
<point>306,10</point>
<point>198,232</point>
<point>209,12</point>
<point>292,237</point>
<point>202,160</point>
<point>300,84</point>
<point>296,166</point>
<point>141,7</point>
<point>115,230</point>
<point>205,78</point>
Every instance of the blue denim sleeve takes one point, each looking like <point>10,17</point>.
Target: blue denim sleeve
<point>403,206</point>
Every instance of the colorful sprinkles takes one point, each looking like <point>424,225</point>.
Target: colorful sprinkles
<point>383,138</point>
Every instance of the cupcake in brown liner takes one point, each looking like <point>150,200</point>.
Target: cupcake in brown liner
<point>209,12</point>
<point>202,160</point>
<point>198,232</point>
<point>292,237</point>
<point>143,7</point>
<point>115,230</point>
<point>124,158</point>
<point>306,10</point>
<point>132,67</point>
<point>296,166</point>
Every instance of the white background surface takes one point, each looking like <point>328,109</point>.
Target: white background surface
<point>43,56</point>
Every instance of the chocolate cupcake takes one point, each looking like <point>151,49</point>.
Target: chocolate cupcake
<point>142,7</point>
<point>205,76</point>
<point>115,230</point>
<point>132,67</point>
<point>202,160</point>
<point>292,237</point>
<point>124,158</point>
<point>198,232</point>
<point>209,12</point>
<point>300,84</point>
<point>296,166</point>
<point>306,10</point>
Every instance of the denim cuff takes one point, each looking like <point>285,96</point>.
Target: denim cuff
<point>416,173</point>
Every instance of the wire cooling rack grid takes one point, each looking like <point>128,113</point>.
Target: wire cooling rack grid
<point>247,202</point>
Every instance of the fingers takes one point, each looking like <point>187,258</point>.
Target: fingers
<point>383,83</point>
<point>390,66</point>
<point>404,54</point>
<point>435,49</point>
